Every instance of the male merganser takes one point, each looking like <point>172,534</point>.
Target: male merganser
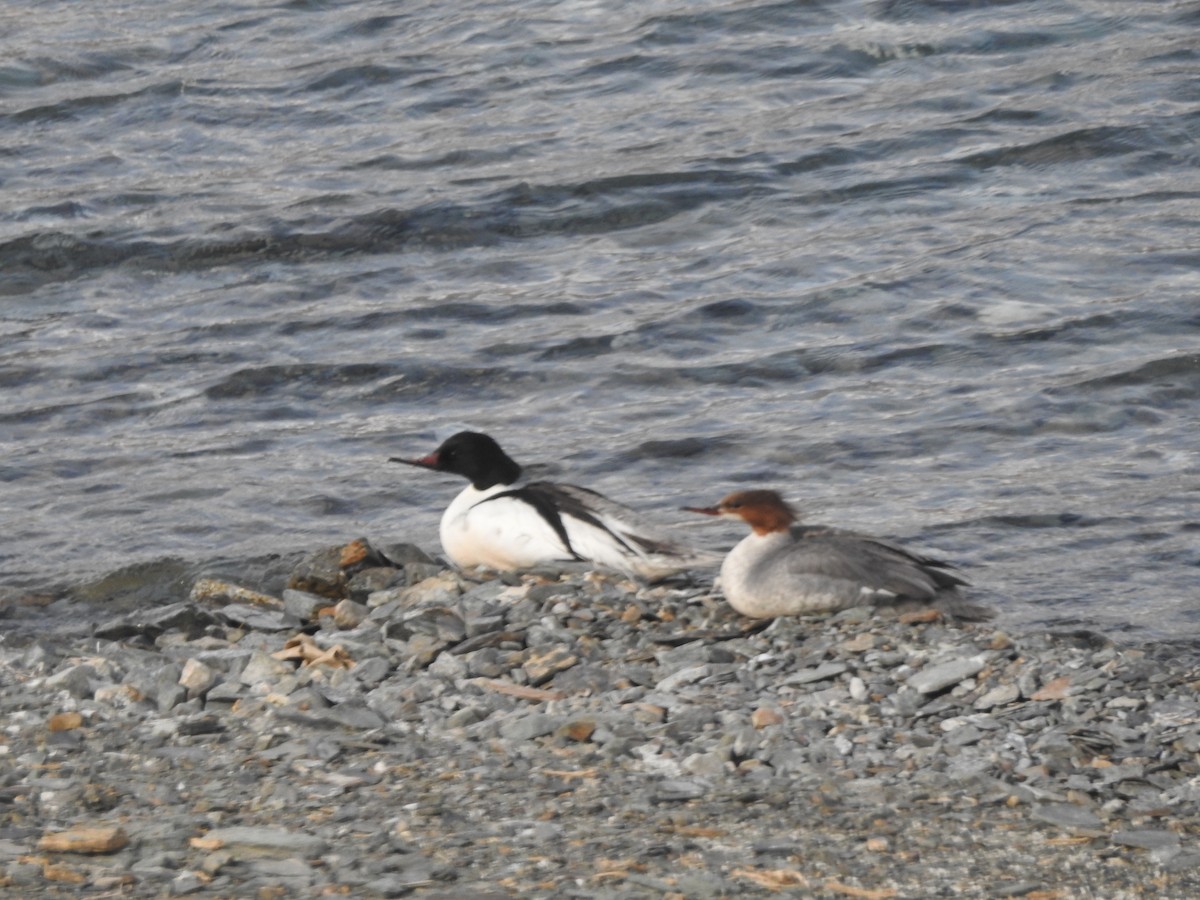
<point>783,569</point>
<point>501,525</point>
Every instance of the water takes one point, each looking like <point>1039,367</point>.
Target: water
<point>931,268</point>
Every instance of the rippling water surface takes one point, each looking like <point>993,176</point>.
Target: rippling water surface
<point>932,268</point>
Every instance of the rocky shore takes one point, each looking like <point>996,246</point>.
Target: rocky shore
<point>387,727</point>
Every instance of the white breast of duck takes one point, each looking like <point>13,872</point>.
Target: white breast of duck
<point>507,527</point>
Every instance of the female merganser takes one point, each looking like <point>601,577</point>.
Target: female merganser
<point>496,523</point>
<point>782,569</point>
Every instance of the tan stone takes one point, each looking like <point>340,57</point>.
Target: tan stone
<point>354,553</point>
<point>347,614</point>
<point>860,643</point>
<point>85,839</point>
<point>920,617</point>
<point>65,874</point>
<point>1054,689</point>
<point>764,716</point>
<point>197,677</point>
<point>67,721</point>
<point>541,667</point>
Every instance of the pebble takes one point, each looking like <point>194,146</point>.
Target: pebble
<point>575,734</point>
<point>939,677</point>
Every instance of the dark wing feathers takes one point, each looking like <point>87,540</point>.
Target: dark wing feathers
<point>541,496</point>
<point>615,519</point>
<point>553,501</point>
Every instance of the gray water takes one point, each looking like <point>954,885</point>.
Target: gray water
<point>930,268</point>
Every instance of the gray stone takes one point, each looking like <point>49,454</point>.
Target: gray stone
<point>76,681</point>
<point>1067,816</point>
<point>404,554</point>
<point>529,726</point>
<point>683,677</point>
<point>259,618</point>
<point>347,614</point>
<point>448,666</point>
<point>226,692</point>
<point>294,872</point>
<point>197,677</point>
<point>676,790</point>
<point>1182,862</point>
<point>153,621</point>
<point>320,573</point>
<point>1001,695</point>
<point>823,672</point>
<point>366,582</point>
<point>303,605</point>
<point>964,736</point>
<point>169,693</point>
<point>350,715</point>
<point>439,622</point>
<point>248,841</point>
<point>1147,839</point>
<point>947,674</point>
<point>186,883</point>
<point>263,667</point>
<point>372,670</point>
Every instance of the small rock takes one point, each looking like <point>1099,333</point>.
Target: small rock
<point>64,721</point>
<point>373,670</point>
<point>302,605</point>
<point>354,553</point>
<point>1000,695</point>
<point>676,790</point>
<point>186,883</point>
<point>436,621</point>
<point>541,667</point>
<point>441,589</point>
<point>370,581</point>
<point>1055,689</point>
<point>347,614</point>
<point>168,692</point>
<point>858,689</point>
<point>184,617</point>
<point>683,677</point>
<point>947,674</point>
<point>197,677</point>
<point>860,643</point>
<point>1147,839</point>
<point>1067,816</point>
<point>578,729</point>
<point>76,681</point>
<point>211,590</point>
<point>263,667</point>
<point>119,695</point>
<point>250,841</point>
<point>85,839</point>
<point>401,555</point>
<point>823,672</point>
<point>321,574</point>
<point>528,727</point>
<point>258,618</point>
<point>920,617</point>
<point>764,716</point>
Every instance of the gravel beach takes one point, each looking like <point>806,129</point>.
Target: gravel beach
<point>388,727</point>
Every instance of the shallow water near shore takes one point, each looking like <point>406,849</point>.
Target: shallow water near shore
<point>930,269</point>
